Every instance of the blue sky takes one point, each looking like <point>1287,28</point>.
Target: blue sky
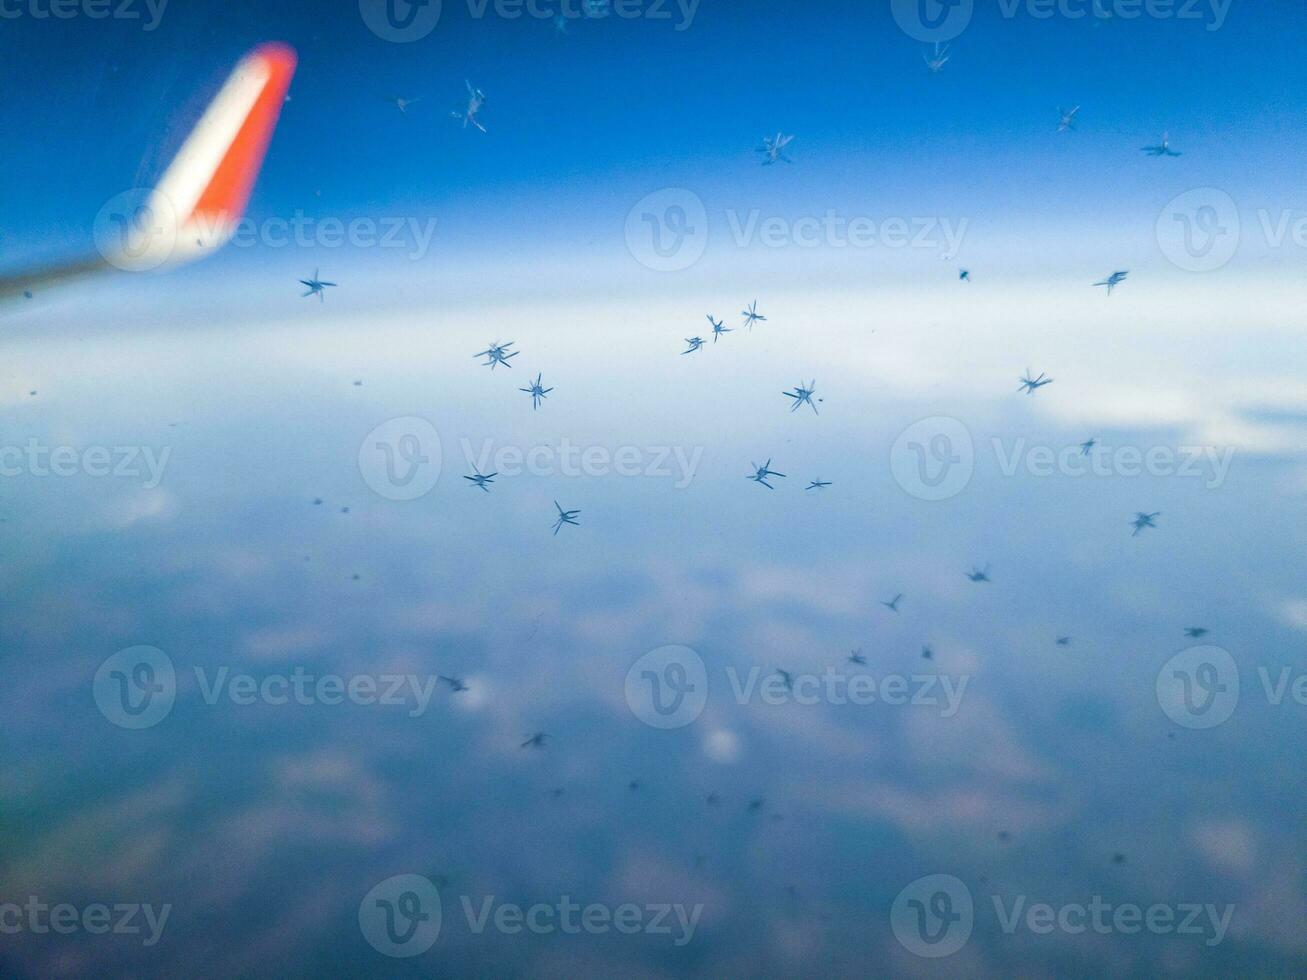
<point>583,125</point>
<point>271,542</point>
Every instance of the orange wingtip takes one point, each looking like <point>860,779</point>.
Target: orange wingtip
<point>227,193</point>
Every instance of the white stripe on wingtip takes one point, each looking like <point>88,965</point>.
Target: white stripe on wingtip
<point>192,170</point>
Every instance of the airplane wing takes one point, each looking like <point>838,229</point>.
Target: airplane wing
<point>200,199</point>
